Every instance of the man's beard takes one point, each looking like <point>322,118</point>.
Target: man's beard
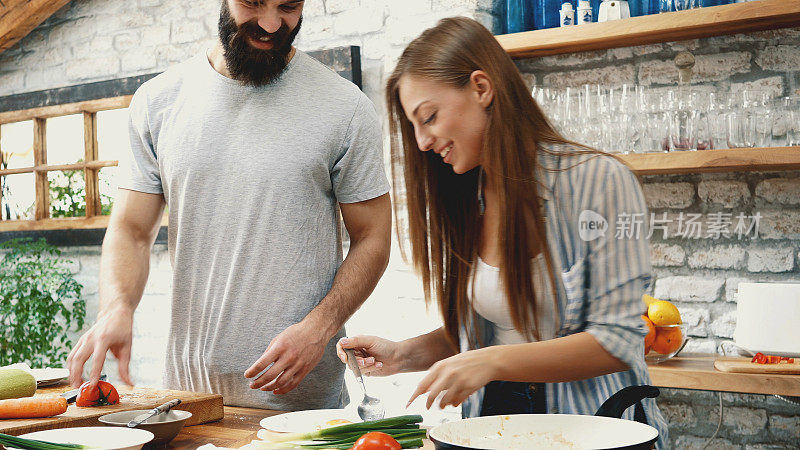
<point>252,66</point>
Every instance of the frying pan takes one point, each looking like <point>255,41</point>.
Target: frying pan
<point>604,430</point>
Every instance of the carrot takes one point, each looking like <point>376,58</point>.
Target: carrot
<point>32,407</point>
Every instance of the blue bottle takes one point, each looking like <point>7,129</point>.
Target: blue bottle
<point>638,7</point>
<point>518,16</point>
<point>595,8</point>
<point>546,13</point>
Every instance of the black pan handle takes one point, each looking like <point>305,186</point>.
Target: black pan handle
<point>624,399</point>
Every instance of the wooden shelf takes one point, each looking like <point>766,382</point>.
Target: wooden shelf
<point>655,28</point>
<point>698,372</point>
<point>726,160</point>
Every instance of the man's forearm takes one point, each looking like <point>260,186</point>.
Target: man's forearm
<point>354,281</point>
<point>124,268</point>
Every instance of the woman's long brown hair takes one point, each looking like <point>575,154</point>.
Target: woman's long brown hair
<point>442,207</point>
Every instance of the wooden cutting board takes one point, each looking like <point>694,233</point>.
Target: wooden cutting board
<point>204,408</point>
<point>743,365</point>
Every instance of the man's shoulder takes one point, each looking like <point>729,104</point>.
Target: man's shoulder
<point>324,81</point>
<point>170,79</point>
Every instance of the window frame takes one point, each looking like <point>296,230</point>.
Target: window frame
<point>90,166</point>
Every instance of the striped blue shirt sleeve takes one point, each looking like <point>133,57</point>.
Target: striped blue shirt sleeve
<point>619,269</point>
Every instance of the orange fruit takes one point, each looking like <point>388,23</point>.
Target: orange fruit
<point>662,312</point>
<point>647,299</point>
<point>668,340</point>
<point>651,334</point>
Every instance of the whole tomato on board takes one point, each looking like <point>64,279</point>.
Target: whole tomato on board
<point>101,395</point>
<point>376,440</point>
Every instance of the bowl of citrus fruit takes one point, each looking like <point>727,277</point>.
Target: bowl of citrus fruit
<point>666,334</point>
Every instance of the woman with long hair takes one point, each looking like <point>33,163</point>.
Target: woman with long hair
<point>508,223</point>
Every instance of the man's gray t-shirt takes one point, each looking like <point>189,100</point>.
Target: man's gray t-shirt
<point>252,177</point>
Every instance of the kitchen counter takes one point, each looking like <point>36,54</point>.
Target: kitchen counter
<point>238,427</point>
<point>698,372</point>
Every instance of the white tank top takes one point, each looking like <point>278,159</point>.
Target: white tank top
<point>489,300</point>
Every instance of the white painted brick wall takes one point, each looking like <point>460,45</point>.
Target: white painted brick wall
<point>665,255</point>
<point>770,259</point>
<point>669,195</point>
<point>782,224</point>
<point>729,194</point>
<point>784,191</point>
<point>718,257</point>
<point>688,288</point>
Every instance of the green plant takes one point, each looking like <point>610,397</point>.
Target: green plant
<point>39,302</point>
<point>68,195</point>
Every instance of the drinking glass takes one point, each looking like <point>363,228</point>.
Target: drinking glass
<point>792,109</point>
<point>683,120</point>
<point>740,123</point>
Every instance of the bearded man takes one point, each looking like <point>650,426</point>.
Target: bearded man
<point>256,148</point>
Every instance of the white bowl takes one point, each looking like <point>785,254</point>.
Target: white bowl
<point>105,438</point>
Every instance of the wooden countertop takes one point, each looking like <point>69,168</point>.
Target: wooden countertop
<point>237,428</point>
<point>240,425</point>
<point>698,372</point>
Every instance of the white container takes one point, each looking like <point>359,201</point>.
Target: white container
<point>584,12</point>
<point>567,14</point>
<point>613,10</point>
<point>768,318</point>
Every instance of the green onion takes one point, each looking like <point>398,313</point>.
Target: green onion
<point>352,439</point>
<point>337,432</point>
<point>33,444</point>
<point>390,431</point>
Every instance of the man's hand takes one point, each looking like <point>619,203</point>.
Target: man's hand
<point>113,331</point>
<point>292,354</point>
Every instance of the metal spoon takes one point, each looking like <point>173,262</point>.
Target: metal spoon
<point>370,407</point>
<point>159,410</point>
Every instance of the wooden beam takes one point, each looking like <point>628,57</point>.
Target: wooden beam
<point>20,17</point>
<point>66,109</point>
<point>93,165</point>
<point>67,223</point>
<point>655,28</point>
<point>40,159</point>
<point>90,175</point>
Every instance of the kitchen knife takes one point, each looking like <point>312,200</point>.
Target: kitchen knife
<point>71,395</point>
<point>161,409</point>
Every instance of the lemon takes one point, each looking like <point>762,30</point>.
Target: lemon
<point>662,312</point>
<point>648,300</point>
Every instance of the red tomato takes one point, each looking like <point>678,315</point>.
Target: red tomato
<point>376,440</point>
<point>101,395</point>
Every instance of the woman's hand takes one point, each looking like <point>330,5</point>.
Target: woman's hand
<point>375,356</point>
<point>459,376</point>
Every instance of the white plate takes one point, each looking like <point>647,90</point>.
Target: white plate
<point>306,421</point>
<point>106,438</point>
<point>44,377</point>
<point>49,375</point>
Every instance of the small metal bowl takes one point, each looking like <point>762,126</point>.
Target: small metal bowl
<point>164,426</point>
